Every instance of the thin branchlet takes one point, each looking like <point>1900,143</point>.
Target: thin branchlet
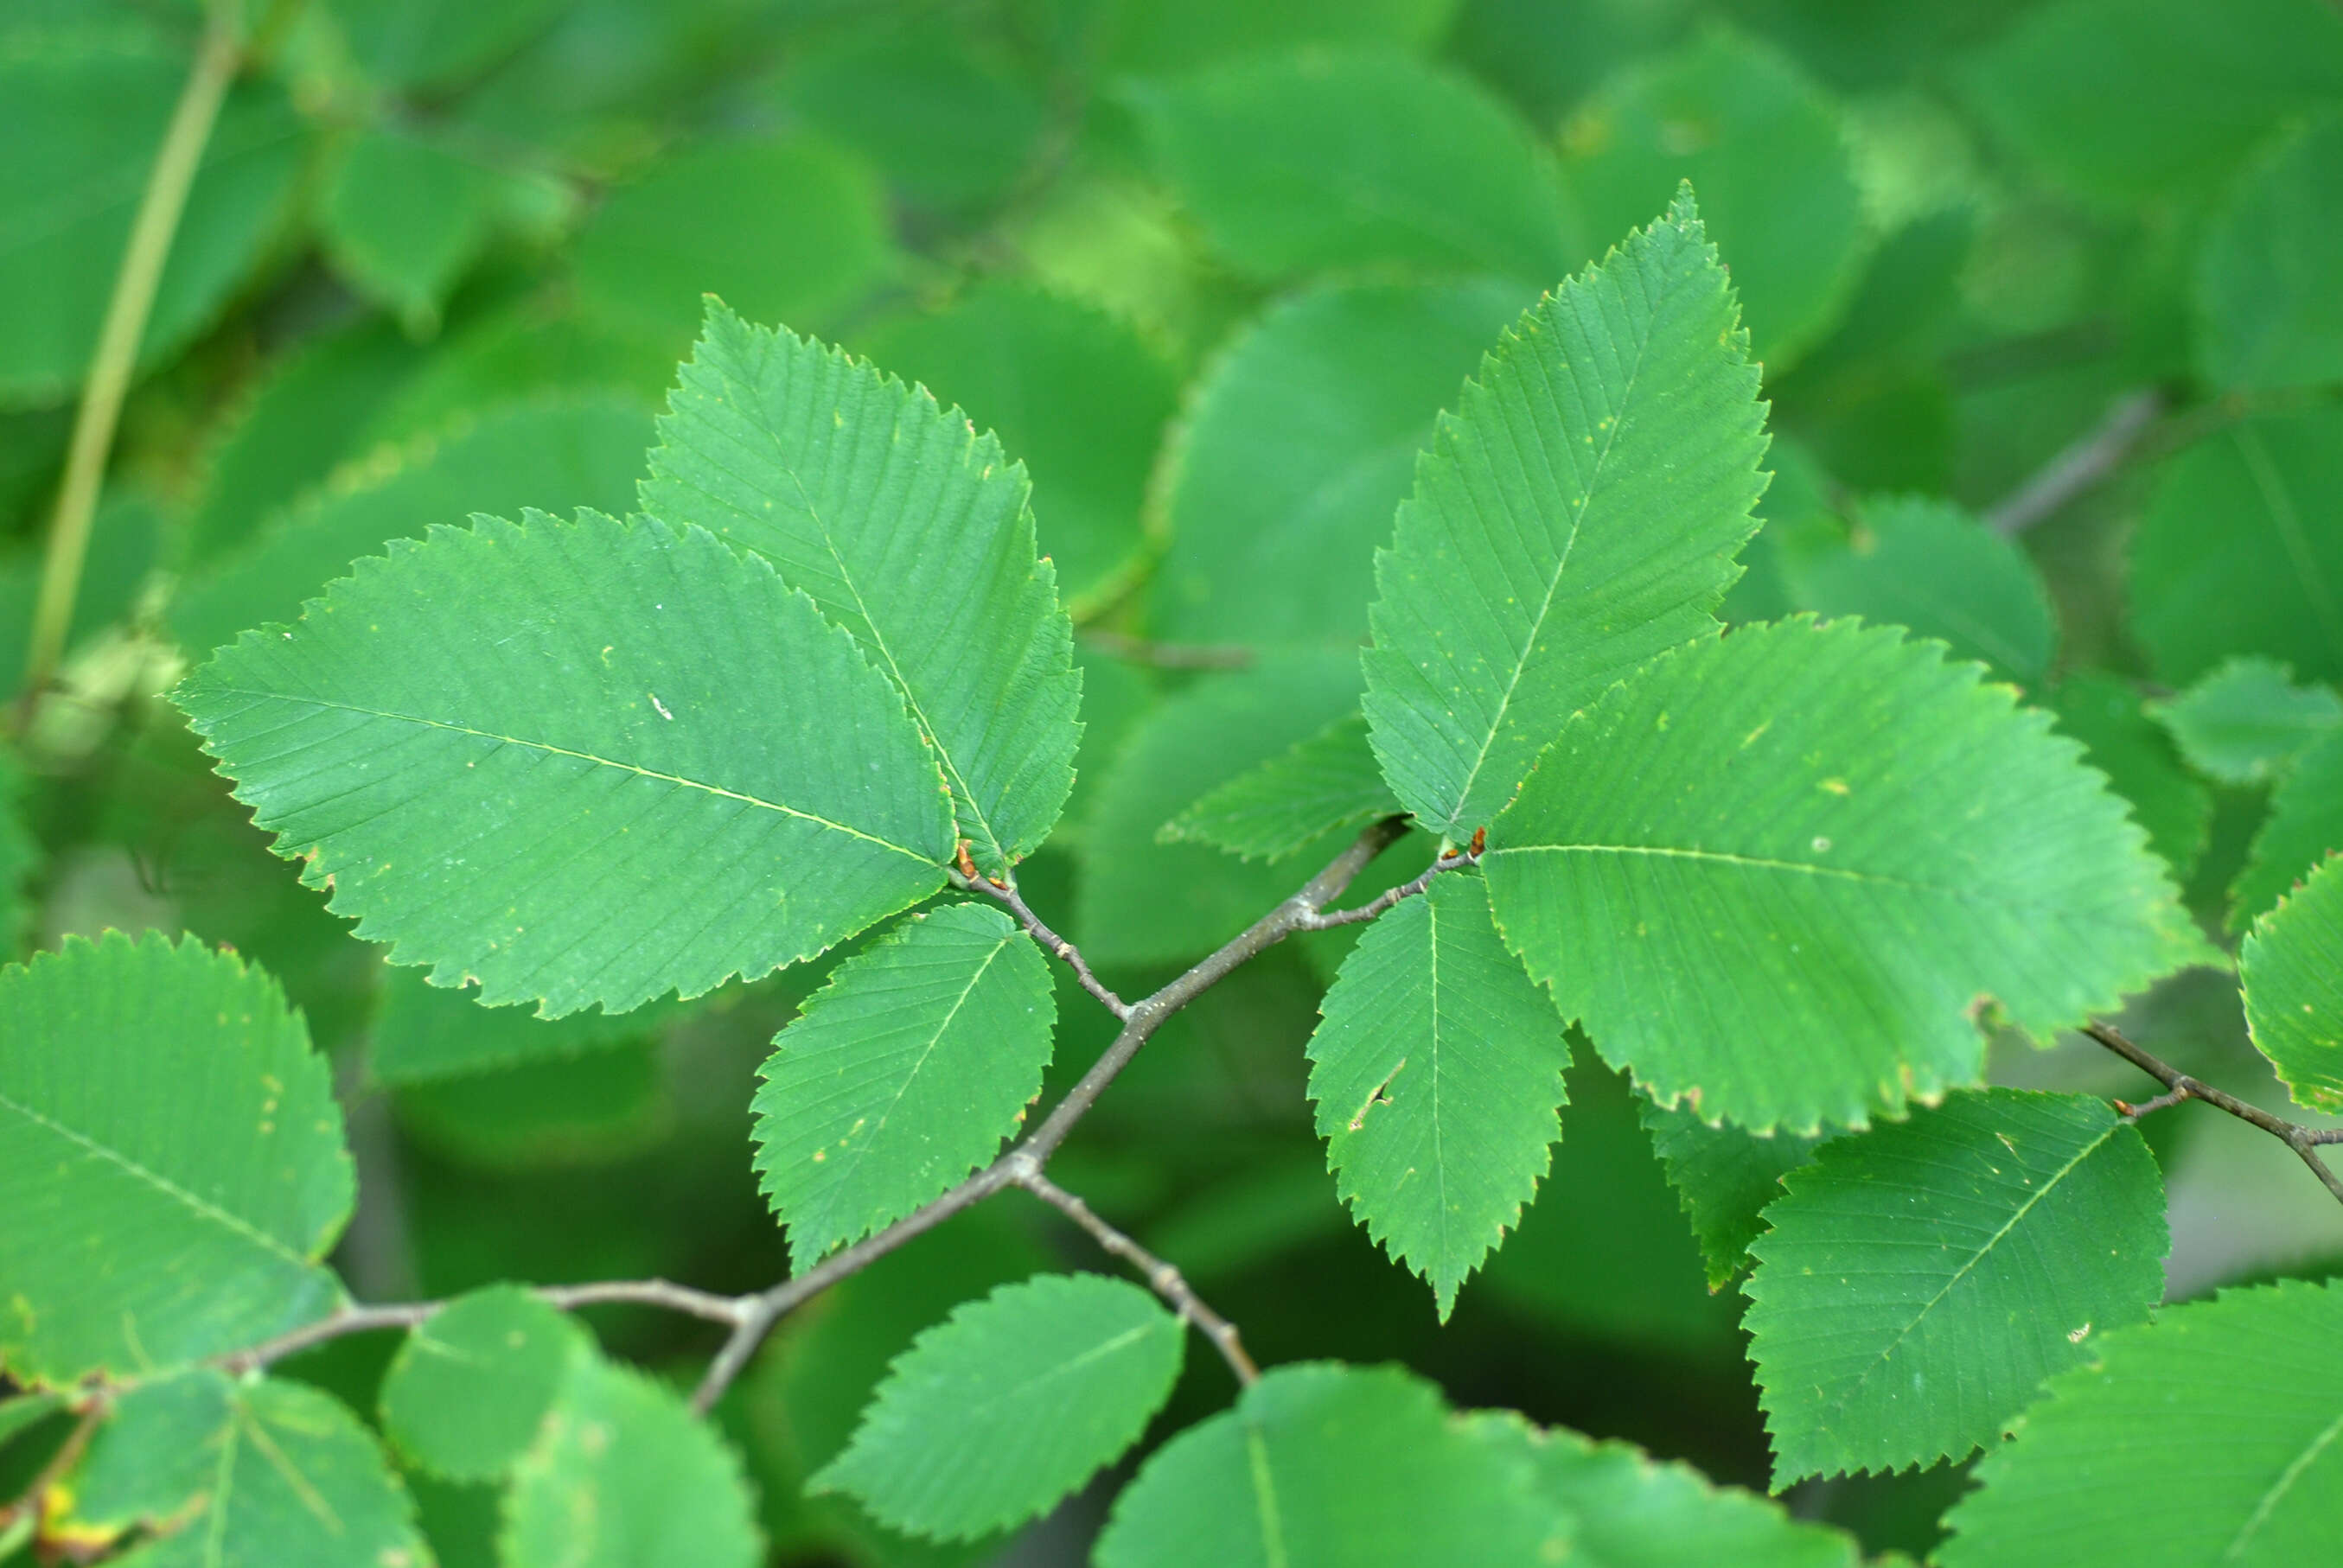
<point>751,1317</point>
<point>2178,1086</point>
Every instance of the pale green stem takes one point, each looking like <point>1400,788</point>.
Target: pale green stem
<point>217,58</point>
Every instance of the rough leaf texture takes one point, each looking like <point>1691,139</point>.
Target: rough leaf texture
<point>1437,1072</point>
<point>1322,785</point>
<point>579,762</point>
<point>902,1074</point>
<point>171,1160</point>
<point>2292,971</point>
<point>1772,875</point>
<point>1724,1177</point>
<point>910,530</point>
<point>1010,1404</point>
<point>1577,514</point>
<point>1916,1284</point>
<point>1327,1466</point>
<point>2207,1437</point>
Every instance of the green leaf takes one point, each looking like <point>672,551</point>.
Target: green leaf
<point>1634,1511</point>
<point>2304,826</point>
<point>2291,967</point>
<point>247,1473</point>
<point>1765,147</point>
<point>622,1475</point>
<point>468,1390</point>
<point>19,1414</point>
<point>1143,902</point>
<point>788,229</point>
<point>1437,1074</point>
<point>2265,286</point>
<point>555,455</point>
<point>404,215</point>
<point>171,1160</point>
<point>1176,34</point>
<point>951,117</point>
<point>1327,1466</point>
<point>1843,822</point>
<point>1992,1236</point>
<point>311,409</point>
<point>1296,445</point>
<point>2153,100</point>
<point>1078,396</point>
<point>425,1033</point>
<point>2247,719</point>
<point>74,178</point>
<point>1578,513</point>
<point>2123,741</point>
<point>902,1074</point>
<point>404,45</point>
<point>1925,563</point>
<point>2206,1437</point>
<point>1724,1177</point>
<point>579,762</point>
<point>2269,579</point>
<point>1342,159</point>
<point>1010,1404</point>
<point>1317,787</point>
<point>813,460</point>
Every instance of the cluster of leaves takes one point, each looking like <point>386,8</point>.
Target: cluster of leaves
<point>667,829</point>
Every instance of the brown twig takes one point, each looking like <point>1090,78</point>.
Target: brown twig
<point>358,1319</point>
<point>751,1317</point>
<point>1051,942</point>
<point>2178,1086</point>
<point>1162,1278</point>
<point>2082,465</point>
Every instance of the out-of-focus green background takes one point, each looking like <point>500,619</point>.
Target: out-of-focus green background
<point>1210,268</point>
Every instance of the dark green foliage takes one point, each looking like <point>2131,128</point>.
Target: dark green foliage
<point>597,924</point>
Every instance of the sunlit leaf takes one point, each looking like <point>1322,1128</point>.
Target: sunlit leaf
<point>1841,821</point>
<point>1577,514</point>
<point>1437,1072</point>
<point>579,762</point>
<point>910,530</point>
<point>467,1392</point>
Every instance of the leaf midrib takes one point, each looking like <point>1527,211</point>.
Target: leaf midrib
<point>546,746</point>
<point>2278,1489</point>
<point>232,1223</point>
<point>1562,564</point>
<point>1976,1257</point>
<point>935,1038</point>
